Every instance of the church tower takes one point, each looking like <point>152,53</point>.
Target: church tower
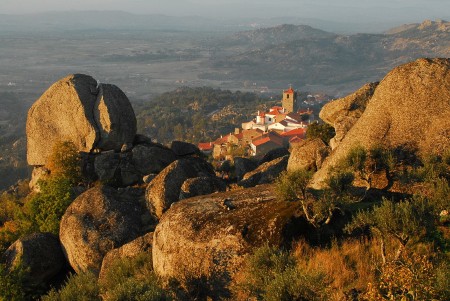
<point>289,102</point>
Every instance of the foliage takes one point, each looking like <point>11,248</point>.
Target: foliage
<point>403,221</point>
<point>132,279</point>
<point>196,114</point>
<point>271,274</point>
<point>291,186</point>
<point>323,131</point>
<point>78,287</point>
<point>413,277</point>
<point>65,162</point>
<point>46,208</point>
<point>12,284</point>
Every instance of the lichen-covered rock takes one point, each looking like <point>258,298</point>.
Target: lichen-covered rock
<point>99,220</point>
<point>344,112</point>
<point>201,186</point>
<point>308,154</point>
<point>139,246</point>
<point>409,109</point>
<point>41,253</point>
<point>206,238</point>
<point>165,188</point>
<point>265,173</point>
<point>78,109</point>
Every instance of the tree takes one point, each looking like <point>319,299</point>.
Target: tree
<point>323,131</point>
<point>402,221</point>
<point>317,205</point>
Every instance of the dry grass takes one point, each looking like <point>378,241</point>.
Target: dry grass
<point>348,266</point>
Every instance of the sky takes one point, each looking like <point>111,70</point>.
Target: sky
<point>335,10</point>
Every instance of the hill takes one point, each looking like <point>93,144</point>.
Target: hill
<point>308,56</point>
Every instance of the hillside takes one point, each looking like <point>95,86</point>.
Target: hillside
<point>308,56</point>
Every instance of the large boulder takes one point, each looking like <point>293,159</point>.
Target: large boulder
<point>265,173</point>
<point>140,246</point>
<point>151,158</point>
<point>80,110</point>
<point>128,168</point>
<point>41,253</point>
<point>243,166</point>
<point>344,112</point>
<point>409,110</point>
<point>181,148</point>
<point>201,186</point>
<point>308,154</point>
<point>206,238</point>
<point>165,188</point>
<point>274,154</point>
<point>99,220</point>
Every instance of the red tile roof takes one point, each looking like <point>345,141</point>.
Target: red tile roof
<point>205,146</point>
<point>290,90</point>
<point>296,132</point>
<point>260,141</point>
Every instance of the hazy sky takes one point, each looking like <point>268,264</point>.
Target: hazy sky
<point>337,10</point>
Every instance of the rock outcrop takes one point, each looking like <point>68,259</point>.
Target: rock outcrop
<point>206,238</point>
<point>243,166</point>
<point>409,109</point>
<point>343,113</point>
<point>41,253</point>
<point>99,220</point>
<point>201,186</point>
<point>308,154</point>
<point>140,246</point>
<point>79,109</point>
<point>128,168</point>
<point>265,173</point>
<point>181,148</point>
<point>274,154</point>
<point>165,188</point>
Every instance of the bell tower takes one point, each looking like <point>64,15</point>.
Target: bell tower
<point>289,102</point>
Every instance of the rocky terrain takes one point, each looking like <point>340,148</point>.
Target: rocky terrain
<point>146,198</point>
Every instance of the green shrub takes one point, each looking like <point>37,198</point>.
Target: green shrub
<point>291,186</point>
<point>323,131</point>
<point>132,279</point>
<point>406,221</point>
<point>79,287</point>
<point>45,209</point>
<point>12,284</point>
<point>271,274</point>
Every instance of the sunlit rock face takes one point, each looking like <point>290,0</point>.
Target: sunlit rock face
<point>79,109</point>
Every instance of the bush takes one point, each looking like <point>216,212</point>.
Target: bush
<point>132,279</point>
<point>65,162</point>
<point>43,212</point>
<point>323,131</point>
<point>79,287</point>
<point>271,274</point>
<point>12,284</point>
<point>291,186</point>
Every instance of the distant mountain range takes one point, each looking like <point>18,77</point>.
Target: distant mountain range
<point>307,56</point>
<point>113,20</point>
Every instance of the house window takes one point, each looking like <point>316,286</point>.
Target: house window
<point>287,95</point>
<point>270,119</point>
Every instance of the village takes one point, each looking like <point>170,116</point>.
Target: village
<point>279,127</point>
